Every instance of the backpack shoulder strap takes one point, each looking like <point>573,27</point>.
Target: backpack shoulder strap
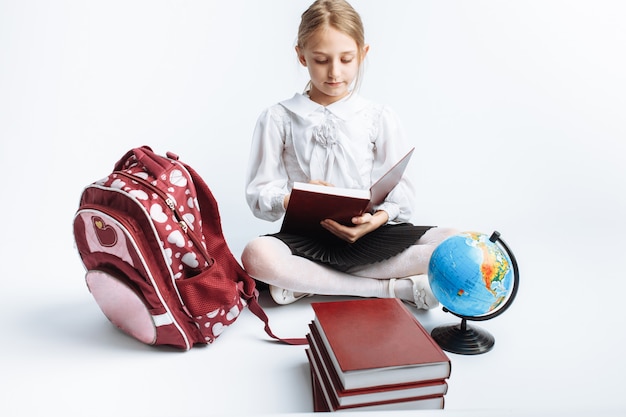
<point>212,229</point>
<point>255,307</point>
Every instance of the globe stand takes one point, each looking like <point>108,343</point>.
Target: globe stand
<point>463,339</point>
<point>467,340</point>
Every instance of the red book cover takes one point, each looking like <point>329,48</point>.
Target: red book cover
<point>377,341</point>
<point>371,394</point>
<point>309,204</point>
<point>323,401</point>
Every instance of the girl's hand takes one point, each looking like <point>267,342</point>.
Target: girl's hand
<point>363,225</point>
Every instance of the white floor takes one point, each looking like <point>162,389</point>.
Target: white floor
<point>517,110</point>
<point>559,347</point>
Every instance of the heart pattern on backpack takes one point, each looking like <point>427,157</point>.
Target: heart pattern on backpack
<point>179,250</point>
<point>157,214</point>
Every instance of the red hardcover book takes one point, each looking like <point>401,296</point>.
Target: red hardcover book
<point>309,204</point>
<point>382,393</point>
<point>319,402</point>
<point>377,341</point>
<point>323,401</point>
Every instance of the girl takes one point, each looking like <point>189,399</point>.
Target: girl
<point>330,135</point>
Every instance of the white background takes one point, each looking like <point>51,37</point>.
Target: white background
<point>517,110</point>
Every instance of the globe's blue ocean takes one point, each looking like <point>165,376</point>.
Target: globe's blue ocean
<point>470,275</point>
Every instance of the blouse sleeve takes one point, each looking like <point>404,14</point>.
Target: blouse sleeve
<point>266,178</point>
<point>391,146</point>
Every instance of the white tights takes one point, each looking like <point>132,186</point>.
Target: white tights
<point>269,260</point>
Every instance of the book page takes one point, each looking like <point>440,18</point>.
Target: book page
<point>339,191</point>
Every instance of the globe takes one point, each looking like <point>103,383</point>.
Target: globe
<point>470,275</point>
<point>475,277</point>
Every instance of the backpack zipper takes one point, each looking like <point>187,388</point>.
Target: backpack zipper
<point>171,204</point>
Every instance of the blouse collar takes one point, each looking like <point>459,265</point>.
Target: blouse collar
<point>345,108</point>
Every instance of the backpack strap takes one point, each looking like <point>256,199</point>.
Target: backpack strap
<point>212,229</point>
<point>156,164</point>
<point>255,307</point>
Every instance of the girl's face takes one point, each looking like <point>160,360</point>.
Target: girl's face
<point>333,61</point>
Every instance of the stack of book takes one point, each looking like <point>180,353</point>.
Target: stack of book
<point>373,354</point>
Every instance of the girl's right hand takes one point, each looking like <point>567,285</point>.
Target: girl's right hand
<point>362,225</point>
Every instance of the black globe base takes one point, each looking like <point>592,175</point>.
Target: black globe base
<point>463,339</point>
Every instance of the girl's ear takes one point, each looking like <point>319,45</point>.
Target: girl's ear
<point>366,49</point>
<point>300,56</point>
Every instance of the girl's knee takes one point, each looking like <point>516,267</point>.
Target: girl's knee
<point>252,256</point>
<point>260,256</point>
<point>447,232</point>
<point>437,235</point>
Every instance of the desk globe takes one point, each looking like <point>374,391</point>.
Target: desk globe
<point>475,277</point>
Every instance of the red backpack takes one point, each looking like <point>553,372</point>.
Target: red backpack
<point>151,240</point>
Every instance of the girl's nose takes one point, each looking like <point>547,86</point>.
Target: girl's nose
<point>333,70</point>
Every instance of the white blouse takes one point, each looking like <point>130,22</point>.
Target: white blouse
<point>350,143</point>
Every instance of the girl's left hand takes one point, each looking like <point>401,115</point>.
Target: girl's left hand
<point>363,225</point>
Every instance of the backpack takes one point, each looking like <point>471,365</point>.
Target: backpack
<point>157,264</point>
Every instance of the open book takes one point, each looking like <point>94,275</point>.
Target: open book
<point>309,204</point>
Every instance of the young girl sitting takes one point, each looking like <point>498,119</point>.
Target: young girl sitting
<point>330,135</point>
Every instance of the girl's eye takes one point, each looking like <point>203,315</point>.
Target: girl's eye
<point>325,61</point>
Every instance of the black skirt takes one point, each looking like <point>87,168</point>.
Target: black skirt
<point>381,244</point>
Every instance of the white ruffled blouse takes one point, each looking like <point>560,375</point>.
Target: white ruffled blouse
<point>350,143</point>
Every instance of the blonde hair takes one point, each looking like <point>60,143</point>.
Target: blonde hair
<point>339,15</point>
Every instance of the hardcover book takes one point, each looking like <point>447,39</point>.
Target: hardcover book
<point>323,402</point>
<point>309,204</point>
<point>377,341</point>
<point>384,393</point>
